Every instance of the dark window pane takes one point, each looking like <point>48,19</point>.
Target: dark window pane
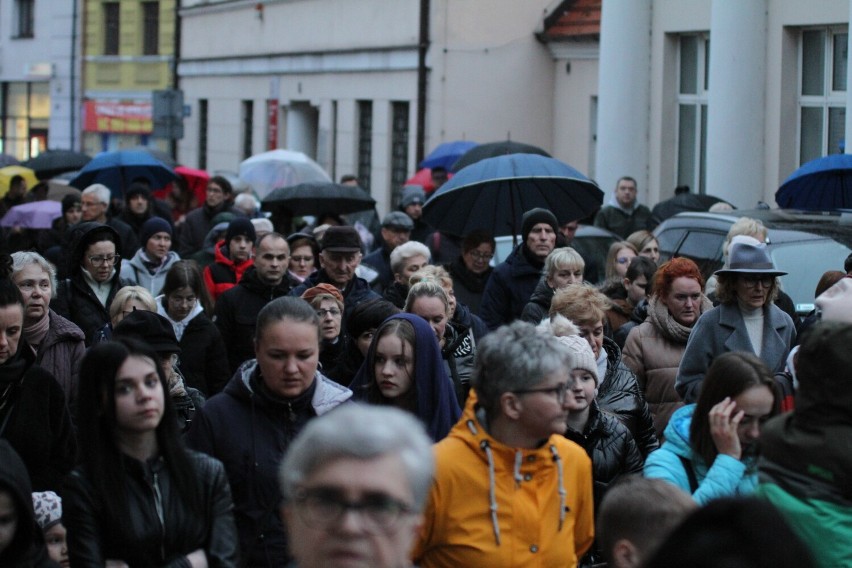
<point>399,149</point>
<point>111,25</point>
<point>813,62</point>
<point>365,143</point>
<point>202,134</point>
<point>248,127</point>
<point>150,28</point>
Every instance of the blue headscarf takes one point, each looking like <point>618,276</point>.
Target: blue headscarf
<point>437,406</point>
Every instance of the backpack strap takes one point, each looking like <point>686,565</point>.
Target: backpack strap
<point>690,474</point>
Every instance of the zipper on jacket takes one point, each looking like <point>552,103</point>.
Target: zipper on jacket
<point>158,505</point>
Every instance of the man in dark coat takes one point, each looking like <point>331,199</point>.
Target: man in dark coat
<point>411,203</point>
<point>236,310</point>
<point>95,203</point>
<point>93,267</point>
<point>198,222</point>
<point>340,255</point>
<point>624,215</point>
<point>512,283</point>
<point>396,230</point>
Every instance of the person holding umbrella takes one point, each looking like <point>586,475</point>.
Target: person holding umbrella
<point>513,281</point>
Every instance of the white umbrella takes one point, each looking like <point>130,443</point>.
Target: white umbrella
<point>279,168</point>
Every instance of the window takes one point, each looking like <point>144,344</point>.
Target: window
<point>248,127</point>
<point>110,28</point>
<point>25,11</point>
<point>694,56</point>
<point>202,134</point>
<point>822,92</point>
<point>399,148</point>
<point>365,143</point>
<point>150,28</point>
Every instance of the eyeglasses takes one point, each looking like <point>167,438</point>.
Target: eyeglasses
<point>752,281</point>
<point>300,259</point>
<point>321,507</point>
<point>178,301</point>
<point>333,312</point>
<point>559,390</point>
<point>481,256</point>
<point>101,259</point>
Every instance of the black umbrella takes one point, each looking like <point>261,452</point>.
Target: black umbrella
<point>51,163</point>
<point>494,149</point>
<point>680,203</point>
<point>315,197</point>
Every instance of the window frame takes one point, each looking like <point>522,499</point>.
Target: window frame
<point>697,179</point>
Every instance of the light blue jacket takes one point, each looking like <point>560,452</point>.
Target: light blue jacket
<point>727,476</point>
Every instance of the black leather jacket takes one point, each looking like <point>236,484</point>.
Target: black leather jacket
<point>159,530</point>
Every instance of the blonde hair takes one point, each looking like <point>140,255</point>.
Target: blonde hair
<point>582,304</point>
<point>612,256</point>
<point>564,258</point>
<point>434,273</point>
<point>744,226</point>
<point>128,294</point>
<point>427,289</point>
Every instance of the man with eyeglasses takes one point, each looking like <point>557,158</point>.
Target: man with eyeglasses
<point>340,255</point>
<point>354,483</point>
<point>94,201</point>
<point>94,267</point>
<point>513,281</point>
<point>509,489</point>
<point>236,309</point>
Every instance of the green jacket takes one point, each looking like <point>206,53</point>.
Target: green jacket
<point>621,222</point>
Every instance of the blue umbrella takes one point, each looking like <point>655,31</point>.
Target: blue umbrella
<point>494,193</point>
<point>118,169</point>
<point>819,185</point>
<point>446,154</point>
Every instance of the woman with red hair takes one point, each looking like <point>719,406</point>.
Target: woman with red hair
<point>654,348</point>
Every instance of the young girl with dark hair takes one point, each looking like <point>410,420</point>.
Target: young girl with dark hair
<point>404,368</point>
<point>138,496</point>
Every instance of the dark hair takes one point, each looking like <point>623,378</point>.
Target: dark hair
<point>9,292</point>
<point>187,274</point>
<point>402,329</point>
<point>847,264</point>
<point>368,315</point>
<point>726,288</point>
<point>286,307</point>
<point>828,279</point>
<point>222,182</point>
<point>641,266</point>
<point>476,238</point>
<point>730,375</point>
<point>741,533</point>
<point>96,429</point>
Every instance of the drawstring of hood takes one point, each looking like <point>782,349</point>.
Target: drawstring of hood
<point>492,490</point>
<point>519,459</point>
<point>562,493</point>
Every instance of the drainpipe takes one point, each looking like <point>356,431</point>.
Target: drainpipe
<point>73,78</point>
<point>422,49</point>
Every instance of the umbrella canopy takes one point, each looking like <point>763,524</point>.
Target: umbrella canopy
<point>7,173</point>
<point>279,168</point>
<point>313,198</point>
<point>680,203</point>
<point>33,215</point>
<point>446,154</point>
<point>196,180</point>
<point>162,156</point>
<point>424,177</point>
<point>819,185</point>
<point>7,160</point>
<point>56,190</point>
<point>494,149</point>
<point>493,195</point>
<point>54,162</point>
<point>118,169</point>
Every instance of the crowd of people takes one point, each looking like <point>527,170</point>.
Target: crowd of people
<point>191,387</point>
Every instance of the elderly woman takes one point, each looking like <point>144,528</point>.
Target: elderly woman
<point>507,454</point>
<point>472,269</point>
<point>562,267</point>
<point>619,393</point>
<point>654,348</point>
<point>745,320</point>
<point>126,300</point>
<point>58,343</point>
<point>405,260</point>
<point>327,301</point>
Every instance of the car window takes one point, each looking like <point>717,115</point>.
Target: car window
<point>668,240</point>
<point>806,262</point>
<point>705,249</point>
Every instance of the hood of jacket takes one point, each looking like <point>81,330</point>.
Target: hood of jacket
<point>677,431</point>
<point>327,393</point>
<point>81,238</point>
<point>222,259</point>
<point>505,461</point>
<point>15,479</point>
<point>252,282</point>
<point>138,262</point>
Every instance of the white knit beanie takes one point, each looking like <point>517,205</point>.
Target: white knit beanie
<point>581,354</point>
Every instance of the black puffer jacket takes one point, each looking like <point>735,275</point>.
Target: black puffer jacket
<point>160,530</point>
<point>75,299</point>
<point>236,316</point>
<point>611,446</point>
<point>459,354</point>
<point>468,285</point>
<point>539,305</point>
<point>620,394</point>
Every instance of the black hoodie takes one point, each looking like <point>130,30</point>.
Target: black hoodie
<point>27,546</point>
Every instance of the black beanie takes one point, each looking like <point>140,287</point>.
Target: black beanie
<point>535,216</point>
<point>151,328</point>
<point>240,226</point>
<point>137,188</point>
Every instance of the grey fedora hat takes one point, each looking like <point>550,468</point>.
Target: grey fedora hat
<point>749,258</point>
